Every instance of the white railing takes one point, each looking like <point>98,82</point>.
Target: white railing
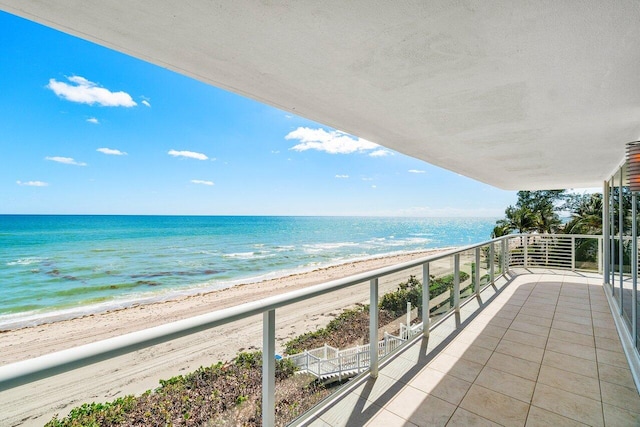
<point>329,362</point>
<point>490,256</point>
<point>560,251</point>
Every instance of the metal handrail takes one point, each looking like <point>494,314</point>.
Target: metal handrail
<point>24,372</point>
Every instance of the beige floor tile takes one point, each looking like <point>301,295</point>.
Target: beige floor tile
<point>514,366</point>
<point>398,368</point>
<point>436,383</point>
<point>505,383</point>
<point>500,322</point>
<point>545,314</point>
<point>525,338</point>
<point>420,408</point>
<point>612,358</point>
<point>487,329</point>
<point>351,410</point>
<point>609,344</point>
<point>569,405</point>
<point>572,349</point>
<point>573,364</point>
<point>373,389</point>
<point>599,306</point>
<point>601,315</point>
<point>539,417</point>
<point>530,328</point>
<point>574,302</point>
<point>572,327</point>
<point>620,417</point>
<point>615,375</point>
<point>534,320</point>
<point>479,339</point>
<point>570,311</point>
<point>620,396</point>
<point>459,368</point>
<point>495,406</point>
<point>570,381</point>
<point>317,422</point>
<point>469,352</point>
<point>604,323</point>
<point>506,315</point>
<point>586,320</point>
<point>605,332</point>
<point>573,337</point>
<point>464,418</point>
<point>523,351</point>
<point>385,418</point>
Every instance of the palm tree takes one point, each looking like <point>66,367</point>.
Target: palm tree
<point>587,217</point>
<point>519,219</point>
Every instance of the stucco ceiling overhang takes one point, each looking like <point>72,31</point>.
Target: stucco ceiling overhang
<point>516,94</point>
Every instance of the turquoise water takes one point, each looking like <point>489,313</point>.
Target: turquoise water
<point>71,265</point>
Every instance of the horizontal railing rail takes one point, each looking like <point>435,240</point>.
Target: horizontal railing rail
<point>496,252</point>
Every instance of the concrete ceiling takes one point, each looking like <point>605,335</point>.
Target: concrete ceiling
<point>516,94</point>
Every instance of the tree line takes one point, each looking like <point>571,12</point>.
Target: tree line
<point>540,212</point>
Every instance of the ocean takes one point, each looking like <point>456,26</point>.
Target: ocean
<point>61,266</point>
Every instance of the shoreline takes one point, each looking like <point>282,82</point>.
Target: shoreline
<point>17,321</point>
<point>134,373</point>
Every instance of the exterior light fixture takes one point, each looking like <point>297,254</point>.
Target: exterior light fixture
<point>633,165</point>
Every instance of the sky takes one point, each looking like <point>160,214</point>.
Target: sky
<point>87,130</point>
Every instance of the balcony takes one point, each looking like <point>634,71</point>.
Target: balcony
<point>541,348</point>
<point>524,336</point>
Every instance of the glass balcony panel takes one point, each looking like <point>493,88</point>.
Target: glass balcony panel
<point>441,287</point>
<point>467,274</point>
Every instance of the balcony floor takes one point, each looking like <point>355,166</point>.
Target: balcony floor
<point>543,351</point>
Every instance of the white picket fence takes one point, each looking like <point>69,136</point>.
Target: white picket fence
<point>331,363</point>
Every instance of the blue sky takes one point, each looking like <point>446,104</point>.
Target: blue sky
<point>86,130</point>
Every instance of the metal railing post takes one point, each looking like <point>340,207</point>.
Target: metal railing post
<point>601,258</point>
<point>269,368</point>
<point>573,253</point>
<point>492,269</point>
<point>456,283</point>
<point>373,327</point>
<point>505,263</point>
<point>426,281</point>
<point>477,273</point>
<point>526,251</point>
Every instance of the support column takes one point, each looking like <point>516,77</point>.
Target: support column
<point>634,268</point>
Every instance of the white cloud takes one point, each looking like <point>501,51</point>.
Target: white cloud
<point>416,171</point>
<point>374,186</point>
<point>334,142</point>
<point>93,120</point>
<point>111,151</point>
<point>145,102</point>
<point>275,151</point>
<point>342,176</point>
<point>65,160</point>
<point>381,153</point>
<point>84,91</point>
<point>32,183</point>
<point>189,154</point>
<point>202,182</point>
<point>367,179</point>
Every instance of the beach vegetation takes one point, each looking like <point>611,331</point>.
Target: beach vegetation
<point>221,394</point>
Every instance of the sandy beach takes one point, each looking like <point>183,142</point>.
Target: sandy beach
<point>36,403</point>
